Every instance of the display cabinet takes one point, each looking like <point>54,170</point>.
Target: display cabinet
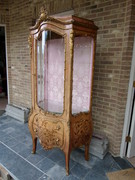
<point>62,65</point>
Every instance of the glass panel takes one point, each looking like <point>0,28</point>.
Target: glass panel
<point>82,71</point>
<point>50,72</point>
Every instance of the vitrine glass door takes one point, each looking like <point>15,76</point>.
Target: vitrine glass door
<point>82,74</point>
<point>50,72</point>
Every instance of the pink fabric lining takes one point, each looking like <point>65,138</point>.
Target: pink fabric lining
<point>54,56</point>
<point>54,84</point>
<point>82,74</point>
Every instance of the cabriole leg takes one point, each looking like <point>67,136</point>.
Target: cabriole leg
<point>34,145</point>
<point>67,156</point>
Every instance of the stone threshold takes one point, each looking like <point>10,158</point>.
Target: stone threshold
<point>4,175</point>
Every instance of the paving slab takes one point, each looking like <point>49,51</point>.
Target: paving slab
<point>16,157</point>
<point>16,165</point>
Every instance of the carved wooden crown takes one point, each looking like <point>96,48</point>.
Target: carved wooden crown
<point>43,13</point>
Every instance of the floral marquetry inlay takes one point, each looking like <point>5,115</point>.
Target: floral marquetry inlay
<point>81,127</point>
<point>50,133</point>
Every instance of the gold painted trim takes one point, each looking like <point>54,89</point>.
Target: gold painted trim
<point>71,42</point>
<point>37,108</point>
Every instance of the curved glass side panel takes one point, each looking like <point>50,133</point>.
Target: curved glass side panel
<point>50,72</point>
<point>82,74</point>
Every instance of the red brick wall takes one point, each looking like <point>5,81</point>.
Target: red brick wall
<point>112,65</point>
<point>4,12</point>
<point>115,20</point>
<point>19,60</point>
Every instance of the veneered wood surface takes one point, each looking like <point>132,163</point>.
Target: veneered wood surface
<point>66,131</point>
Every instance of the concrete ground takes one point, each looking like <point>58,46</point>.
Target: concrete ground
<point>16,157</point>
<point>3,102</point>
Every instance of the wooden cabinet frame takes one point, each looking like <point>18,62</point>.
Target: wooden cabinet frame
<point>66,131</point>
